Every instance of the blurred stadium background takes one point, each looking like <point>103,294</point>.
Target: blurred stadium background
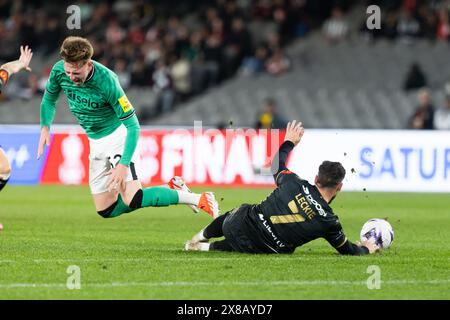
<point>222,60</point>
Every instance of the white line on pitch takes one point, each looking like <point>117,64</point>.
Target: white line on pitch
<point>212,258</point>
<point>231,283</point>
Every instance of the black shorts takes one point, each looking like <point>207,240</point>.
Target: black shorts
<point>241,233</point>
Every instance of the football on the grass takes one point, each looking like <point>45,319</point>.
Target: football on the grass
<point>380,231</point>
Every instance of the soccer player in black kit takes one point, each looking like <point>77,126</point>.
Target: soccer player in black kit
<point>295,213</point>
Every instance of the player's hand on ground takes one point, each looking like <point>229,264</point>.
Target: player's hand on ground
<point>294,132</point>
<point>23,63</point>
<point>43,141</point>
<point>117,179</point>
<point>369,244</point>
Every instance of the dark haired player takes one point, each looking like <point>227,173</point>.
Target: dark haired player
<point>295,213</point>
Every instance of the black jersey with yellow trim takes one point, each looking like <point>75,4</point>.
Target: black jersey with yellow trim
<point>298,213</point>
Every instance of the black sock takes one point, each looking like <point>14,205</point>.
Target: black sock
<point>214,229</point>
<point>222,245</point>
<point>3,183</point>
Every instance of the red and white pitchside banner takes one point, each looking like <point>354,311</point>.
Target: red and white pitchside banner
<point>231,157</point>
<point>375,160</point>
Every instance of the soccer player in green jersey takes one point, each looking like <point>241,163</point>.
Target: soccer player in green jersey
<point>105,113</point>
<point>6,71</point>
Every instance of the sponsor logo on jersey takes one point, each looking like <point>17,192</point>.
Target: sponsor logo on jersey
<point>314,202</point>
<point>3,76</point>
<point>83,101</point>
<point>125,104</point>
<point>305,189</point>
<point>269,229</point>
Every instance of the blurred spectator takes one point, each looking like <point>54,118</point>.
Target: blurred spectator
<point>163,86</point>
<point>42,81</point>
<point>120,68</point>
<point>114,33</point>
<point>23,87</point>
<point>415,79</point>
<point>408,20</point>
<point>428,22</point>
<point>52,37</point>
<point>140,73</point>
<point>336,28</point>
<point>278,63</point>
<point>193,55</point>
<point>135,35</point>
<point>443,27</point>
<point>212,58</point>
<point>254,65</point>
<point>389,27</point>
<point>285,26</point>
<point>154,52</point>
<point>408,27</point>
<point>180,73</point>
<point>262,9</point>
<point>32,87</point>
<point>238,45</point>
<point>442,116</point>
<point>86,9</point>
<point>210,40</point>
<point>422,117</point>
<point>269,117</point>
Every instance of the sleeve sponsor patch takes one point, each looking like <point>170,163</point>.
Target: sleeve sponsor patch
<point>125,104</point>
<point>3,76</point>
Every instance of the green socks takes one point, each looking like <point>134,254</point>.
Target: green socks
<point>149,197</point>
<point>120,208</point>
<point>159,197</point>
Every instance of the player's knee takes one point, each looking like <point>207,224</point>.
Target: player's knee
<point>136,202</point>
<point>116,209</point>
<point>3,181</point>
<point>5,170</point>
<point>107,213</point>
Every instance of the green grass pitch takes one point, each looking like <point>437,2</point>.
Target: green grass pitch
<point>139,255</point>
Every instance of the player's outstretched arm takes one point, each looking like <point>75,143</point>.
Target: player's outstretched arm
<point>48,108</point>
<point>15,66</point>
<point>369,244</point>
<point>294,134</point>
<point>44,140</point>
<point>349,248</point>
<point>23,63</point>
<point>337,239</point>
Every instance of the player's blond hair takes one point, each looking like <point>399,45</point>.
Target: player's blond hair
<point>76,50</point>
